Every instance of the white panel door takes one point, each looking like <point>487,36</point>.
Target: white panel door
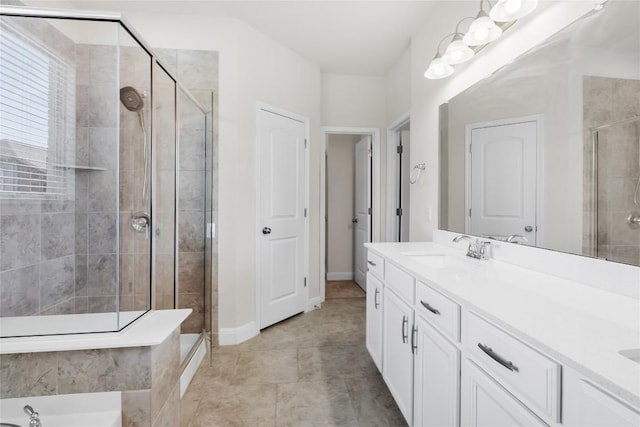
<point>374,320</point>
<point>281,210</point>
<point>503,180</point>
<point>362,208</point>
<point>397,358</point>
<point>436,388</point>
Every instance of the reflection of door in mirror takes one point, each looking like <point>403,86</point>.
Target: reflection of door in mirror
<point>501,193</point>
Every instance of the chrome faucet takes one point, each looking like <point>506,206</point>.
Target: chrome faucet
<point>516,238</point>
<point>477,248</point>
<point>34,417</point>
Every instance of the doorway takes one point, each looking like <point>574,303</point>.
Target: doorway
<point>348,203</point>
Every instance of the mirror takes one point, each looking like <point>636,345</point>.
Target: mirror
<point>547,149</point>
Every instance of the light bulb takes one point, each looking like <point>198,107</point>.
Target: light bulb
<point>456,55</point>
<point>513,6</point>
<point>481,33</point>
<point>438,70</point>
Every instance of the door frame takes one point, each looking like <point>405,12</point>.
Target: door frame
<point>539,120</point>
<point>261,106</point>
<point>374,133</point>
<point>393,135</point>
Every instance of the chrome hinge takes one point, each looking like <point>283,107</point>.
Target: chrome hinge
<point>305,143</point>
<point>305,282</point>
<point>370,152</point>
<point>399,149</point>
<point>305,212</point>
<point>369,211</point>
<point>469,212</point>
<point>469,147</point>
<point>399,211</point>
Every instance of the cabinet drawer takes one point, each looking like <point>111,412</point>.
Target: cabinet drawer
<point>439,310</point>
<point>402,283</point>
<point>375,265</point>
<point>531,377</point>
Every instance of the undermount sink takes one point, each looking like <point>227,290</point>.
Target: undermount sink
<point>631,354</point>
<point>437,260</point>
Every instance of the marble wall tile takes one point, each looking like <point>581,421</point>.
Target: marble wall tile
<point>102,63</point>
<point>192,149</point>
<point>88,371</point>
<point>82,105</point>
<point>19,292</point>
<point>194,323</point>
<point>198,69</point>
<point>58,206</point>
<point>169,415</point>
<point>81,304</point>
<point>192,188</point>
<point>126,275</point>
<point>57,281</point>
<point>106,304</point>
<point>169,59</point>
<point>102,191</point>
<point>191,272</point>
<point>65,307</point>
<point>28,374</point>
<point>101,275</point>
<point>103,105</point>
<point>81,276</point>
<point>103,147</point>
<point>58,235</point>
<point>20,206</point>
<point>19,240</point>
<point>102,233</point>
<point>191,232</point>
<point>164,278</point>
<point>136,408</point>
<point>82,190</point>
<point>165,370</point>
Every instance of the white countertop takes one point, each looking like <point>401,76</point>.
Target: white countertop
<point>580,326</point>
<point>151,329</point>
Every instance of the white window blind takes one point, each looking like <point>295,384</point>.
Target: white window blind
<point>37,119</point>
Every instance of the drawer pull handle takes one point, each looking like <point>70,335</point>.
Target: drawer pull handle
<point>376,303</point>
<point>414,343</point>
<point>431,309</point>
<point>405,333</point>
<point>371,263</point>
<point>504,362</point>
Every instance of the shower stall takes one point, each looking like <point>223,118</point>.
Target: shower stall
<point>612,169</point>
<point>103,205</point>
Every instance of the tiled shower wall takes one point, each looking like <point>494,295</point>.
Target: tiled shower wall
<point>607,100</point>
<point>37,256</point>
<point>197,268</point>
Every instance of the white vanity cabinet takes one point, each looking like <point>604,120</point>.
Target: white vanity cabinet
<point>436,388</point>
<point>397,356</point>
<point>486,404</point>
<point>374,319</point>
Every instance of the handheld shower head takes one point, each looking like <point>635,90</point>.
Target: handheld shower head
<point>131,98</point>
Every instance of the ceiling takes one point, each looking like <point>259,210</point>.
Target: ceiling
<point>341,36</point>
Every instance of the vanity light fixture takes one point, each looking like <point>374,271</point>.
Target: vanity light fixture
<point>457,52</point>
<point>439,68</point>
<point>482,30</point>
<point>510,10</point>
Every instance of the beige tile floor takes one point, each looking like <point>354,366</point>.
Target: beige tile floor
<point>310,370</point>
<point>343,289</point>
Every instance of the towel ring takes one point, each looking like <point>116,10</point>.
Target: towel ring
<point>416,172</point>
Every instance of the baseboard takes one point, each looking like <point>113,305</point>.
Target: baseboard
<point>346,275</point>
<point>233,336</point>
<point>314,303</point>
<point>193,365</point>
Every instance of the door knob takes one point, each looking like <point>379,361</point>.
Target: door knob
<point>354,220</point>
<point>528,229</point>
<point>266,230</point>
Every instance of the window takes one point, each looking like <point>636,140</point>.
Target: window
<point>37,119</point>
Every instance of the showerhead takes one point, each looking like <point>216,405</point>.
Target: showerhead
<point>131,98</point>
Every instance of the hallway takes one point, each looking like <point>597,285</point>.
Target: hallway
<point>310,370</point>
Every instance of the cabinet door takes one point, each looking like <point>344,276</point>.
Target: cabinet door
<point>374,319</point>
<point>486,404</point>
<point>397,359</point>
<point>436,379</point>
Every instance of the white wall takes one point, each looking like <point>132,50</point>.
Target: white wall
<point>398,82</point>
<point>427,95</point>
<point>340,203</point>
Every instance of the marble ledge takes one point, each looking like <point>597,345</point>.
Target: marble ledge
<point>151,329</point>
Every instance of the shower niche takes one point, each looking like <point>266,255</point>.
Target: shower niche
<point>90,131</point>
